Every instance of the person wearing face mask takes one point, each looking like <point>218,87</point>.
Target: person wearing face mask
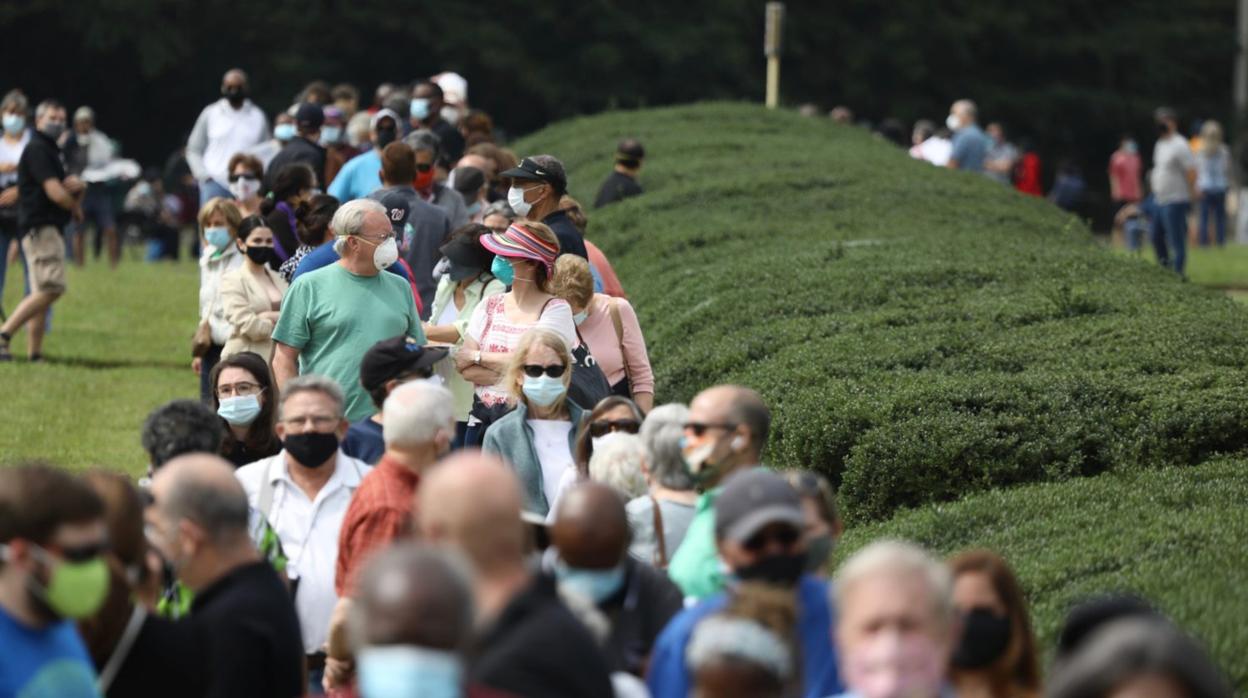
<point>244,400</point>
<point>538,436</point>
<point>418,428</point>
<point>334,139</point>
<point>609,327</point>
<point>303,492</point>
<point>895,626</point>
<point>47,199</point>
<point>246,630</point>
<point>314,235</point>
<point>996,654</point>
<point>13,140</point>
<point>611,415</point>
<point>52,538</point>
<point>823,521</point>
<point>362,174</point>
<point>286,208</point>
<point>314,335</point>
<point>251,296</point>
<point>660,518</point>
<point>305,147</point>
<point>758,534</point>
<point>426,113</point>
<point>246,179</point>
<point>970,144</point>
<point>387,365</point>
<point>219,256</point>
<point>283,131</point>
<point>590,534</point>
<point>622,182</point>
<point>232,124</point>
<point>538,184</point>
<point>467,282</point>
<point>426,146</point>
<point>1173,180</point>
<point>726,433</point>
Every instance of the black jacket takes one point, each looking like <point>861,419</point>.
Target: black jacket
<point>298,149</point>
<point>638,613</point>
<point>570,239</point>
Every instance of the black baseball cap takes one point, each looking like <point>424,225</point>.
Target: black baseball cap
<point>753,500</point>
<point>391,358</point>
<point>309,115</point>
<point>530,170</point>
<point>466,251</point>
<point>398,209</point>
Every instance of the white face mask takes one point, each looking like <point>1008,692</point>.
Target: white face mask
<point>515,199</point>
<point>387,253</point>
<point>244,188</point>
<point>952,122</point>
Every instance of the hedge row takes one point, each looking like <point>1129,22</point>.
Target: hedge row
<point>919,333</point>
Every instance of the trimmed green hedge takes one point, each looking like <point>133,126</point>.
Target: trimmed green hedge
<point>1173,535</point>
<point>919,333</point>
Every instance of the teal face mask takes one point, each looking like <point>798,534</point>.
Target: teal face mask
<point>595,585</point>
<point>402,671</point>
<point>240,411</point>
<point>284,132</point>
<point>217,236</point>
<point>543,391</point>
<point>502,270</point>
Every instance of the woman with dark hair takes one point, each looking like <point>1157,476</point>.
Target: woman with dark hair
<point>246,181</point>
<point>466,283</point>
<point>996,655</point>
<point>612,414</point>
<point>315,232</point>
<point>252,294</point>
<point>245,397</point>
<point>286,206</point>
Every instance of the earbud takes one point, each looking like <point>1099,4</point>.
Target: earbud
<point>738,443</point>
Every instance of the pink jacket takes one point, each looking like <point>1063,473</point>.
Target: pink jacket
<point>598,331</point>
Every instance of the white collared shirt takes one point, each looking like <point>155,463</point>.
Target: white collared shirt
<point>308,530</point>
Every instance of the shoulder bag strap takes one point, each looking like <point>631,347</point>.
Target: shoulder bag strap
<point>122,650</point>
<point>660,548</point>
<point>265,503</point>
<point>618,322</point>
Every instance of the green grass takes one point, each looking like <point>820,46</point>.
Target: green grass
<point>119,346</point>
<point>1224,268</point>
<point>1172,535</point>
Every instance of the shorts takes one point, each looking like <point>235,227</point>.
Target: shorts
<point>97,207</point>
<point>45,258</point>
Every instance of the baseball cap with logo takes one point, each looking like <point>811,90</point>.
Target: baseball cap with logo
<point>398,209</point>
<point>394,357</point>
<point>529,169</point>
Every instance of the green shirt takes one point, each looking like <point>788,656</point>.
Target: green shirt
<point>333,317</point>
<point>695,567</point>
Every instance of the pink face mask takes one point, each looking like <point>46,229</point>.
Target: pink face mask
<point>892,665</point>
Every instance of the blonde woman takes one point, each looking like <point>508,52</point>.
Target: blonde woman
<point>1213,178</point>
<point>252,294</point>
<point>218,228</point>
<point>538,436</point>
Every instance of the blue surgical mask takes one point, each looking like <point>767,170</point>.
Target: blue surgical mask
<point>240,411</point>
<point>580,317</point>
<point>407,671</point>
<point>543,391</point>
<point>218,236</point>
<point>502,270</point>
<point>14,124</point>
<point>595,585</point>
<point>284,132</point>
<point>420,108</point>
<point>330,135</point>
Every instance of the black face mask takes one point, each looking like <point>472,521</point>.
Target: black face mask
<point>1163,128</point>
<point>385,136</point>
<point>312,449</point>
<point>778,570</point>
<point>984,639</point>
<point>236,95</point>
<point>260,255</point>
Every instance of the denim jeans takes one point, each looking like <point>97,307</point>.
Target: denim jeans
<point>1212,203</point>
<point>209,189</point>
<point>1173,220</point>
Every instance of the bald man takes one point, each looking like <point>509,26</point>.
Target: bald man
<point>243,614</point>
<point>591,536</point>
<point>529,643</point>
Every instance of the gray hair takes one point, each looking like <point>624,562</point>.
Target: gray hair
<point>46,106</point>
<point>661,434</point>
<point>424,140</point>
<point>349,218</point>
<point>415,412</point>
<point>901,559</point>
<point>967,106</point>
<point>499,208</point>
<point>15,100</point>
<point>723,638</point>
<point>312,383</point>
<point>616,463</point>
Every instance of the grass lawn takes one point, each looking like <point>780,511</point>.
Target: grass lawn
<point>119,346</point>
<point>1224,268</point>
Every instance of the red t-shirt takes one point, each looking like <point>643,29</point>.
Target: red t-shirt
<point>1027,179</point>
<point>1124,170</point>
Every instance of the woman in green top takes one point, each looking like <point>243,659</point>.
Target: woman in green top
<point>466,283</point>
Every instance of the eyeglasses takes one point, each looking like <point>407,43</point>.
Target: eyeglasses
<point>318,422</point>
<point>239,389</point>
<point>535,371</point>
<point>245,175</point>
<point>424,167</point>
<point>700,428</point>
<point>389,236</point>
<point>601,428</point>
<point>785,536</point>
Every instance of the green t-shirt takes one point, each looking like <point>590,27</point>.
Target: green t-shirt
<point>695,567</point>
<point>333,317</point>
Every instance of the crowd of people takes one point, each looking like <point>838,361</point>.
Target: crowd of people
<point>426,461</point>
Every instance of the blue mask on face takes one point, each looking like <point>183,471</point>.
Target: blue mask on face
<point>595,585</point>
<point>420,108</point>
<point>217,236</point>
<point>14,123</point>
<point>240,411</point>
<point>331,134</point>
<point>502,270</point>
<point>284,132</point>
<point>404,671</point>
<point>543,391</point>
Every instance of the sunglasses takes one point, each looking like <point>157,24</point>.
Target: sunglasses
<point>424,166</point>
<point>535,371</point>
<point>80,553</point>
<point>236,177</point>
<point>601,428</point>
<point>700,428</point>
<point>785,536</point>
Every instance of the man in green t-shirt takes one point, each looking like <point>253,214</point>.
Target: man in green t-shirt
<point>331,316</point>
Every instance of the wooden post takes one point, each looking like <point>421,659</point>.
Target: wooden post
<point>772,36</point>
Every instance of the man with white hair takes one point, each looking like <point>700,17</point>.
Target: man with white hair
<point>970,143</point>
<point>303,493</point>
<point>332,316</point>
<point>418,427</point>
<point>896,629</point>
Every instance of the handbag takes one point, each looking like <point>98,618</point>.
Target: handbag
<point>589,384</point>
<point>201,341</point>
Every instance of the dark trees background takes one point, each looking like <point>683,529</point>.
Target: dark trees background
<point>1069,74</point>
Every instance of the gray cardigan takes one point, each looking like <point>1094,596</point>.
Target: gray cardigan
<point>512,438</point>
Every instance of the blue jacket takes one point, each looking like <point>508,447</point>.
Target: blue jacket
<point>669,677</point>
<point>512,438</point>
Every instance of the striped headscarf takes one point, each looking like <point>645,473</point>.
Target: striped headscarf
<point>519,242</point>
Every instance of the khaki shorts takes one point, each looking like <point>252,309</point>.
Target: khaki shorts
<point>45,256</point>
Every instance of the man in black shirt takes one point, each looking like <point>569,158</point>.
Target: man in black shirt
<point>530,644</point>
<point>46,200</point>
<point>622,182</point>
<point>243,618</point>
<point>305,147</point>
<point>541,202</point>
<point>426,112</point>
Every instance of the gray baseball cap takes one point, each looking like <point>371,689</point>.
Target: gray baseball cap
<point>753,500</point>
